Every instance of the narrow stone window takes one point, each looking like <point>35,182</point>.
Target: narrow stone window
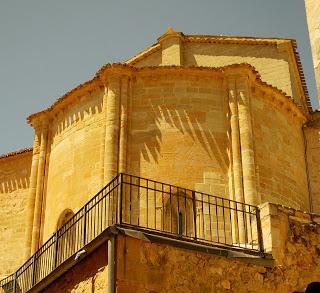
<point>67,237</point>
<point>65,216</point>
<point>178,215</point>
<point>180,224</point>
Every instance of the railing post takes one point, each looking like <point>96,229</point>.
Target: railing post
<point>120,199</point>
<point>55,253</point>
<point>15,282</point>
<point>33,269</point>
<point>84,225</point>
<point>194,214</point>
<point>259,230</point>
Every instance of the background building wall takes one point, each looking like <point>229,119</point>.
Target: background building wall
<point>313,19</point>
<point>14,195</point>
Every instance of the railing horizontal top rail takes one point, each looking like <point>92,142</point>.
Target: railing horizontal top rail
<point>175,186</point>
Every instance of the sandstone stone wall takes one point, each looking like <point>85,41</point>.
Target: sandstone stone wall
<point>154,59</point>
<point>174,125</point>
<point>14,194</point>
<point>279,155</point>
<point>313,19</point>
<point>312,134</point>
<point>266,59</point>
<point>88,276</point>
<point>74,158</point>
<point>178,131</point>
<point>152,267</point>
<point>269,60</point>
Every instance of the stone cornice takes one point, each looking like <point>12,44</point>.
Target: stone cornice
<point>119,71</point>
<point>15,153</point>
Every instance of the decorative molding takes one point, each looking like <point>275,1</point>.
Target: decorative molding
<point>120,70</point>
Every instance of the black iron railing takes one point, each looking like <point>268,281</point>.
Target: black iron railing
<point>149,205</point>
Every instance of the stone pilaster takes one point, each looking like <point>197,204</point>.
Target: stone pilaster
<point>111,153</point>
<point>32,196</point>
<point>123,135</point>
<point>39,188</point>
<point>239,231</point>
<point>103,136</point>
<point>235,142</point>
<point>246,141</point>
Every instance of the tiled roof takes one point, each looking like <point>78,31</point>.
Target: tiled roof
<point>18,152</point>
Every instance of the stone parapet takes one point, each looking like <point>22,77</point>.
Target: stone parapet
<point>287,231</point>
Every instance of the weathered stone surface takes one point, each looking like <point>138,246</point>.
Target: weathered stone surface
<point>222,131</point>
<point>151,267</point>
<point>14,195</point>
<point>88,276</point>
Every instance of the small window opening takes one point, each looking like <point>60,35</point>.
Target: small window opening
<point>180,224</point>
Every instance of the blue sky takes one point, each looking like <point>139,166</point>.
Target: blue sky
<point>49,47</point>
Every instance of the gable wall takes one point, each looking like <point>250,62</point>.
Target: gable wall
<point>271,63</point>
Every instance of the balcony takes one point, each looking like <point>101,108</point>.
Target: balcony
<point>157,208</point>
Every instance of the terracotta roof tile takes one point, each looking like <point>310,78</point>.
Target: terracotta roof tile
<point>18,152</point>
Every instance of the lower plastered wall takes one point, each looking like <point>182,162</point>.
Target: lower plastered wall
<point>90,275</point>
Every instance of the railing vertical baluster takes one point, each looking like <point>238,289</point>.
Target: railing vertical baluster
<point>230,216</point>
<point>250,227</point>
<point>210,219</point>
<point>55,253</point>
<point>224,221</point>
<point>194,214</point>
<point>33,270</point>
<point>130,201</point>
<point>15,282</point>
<point>186,213</point>
<point>147,203</point>
<point>170,209</point>
<point>120,198</point>
<point>162,209</point>
<point>259,230</point>
<point>203,218</point>
<point>155,205</point>
<point>84,225</point>
<point>237,224</point>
